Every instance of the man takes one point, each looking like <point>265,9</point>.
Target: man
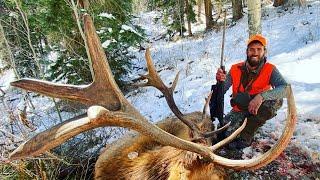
<point>258,90</point>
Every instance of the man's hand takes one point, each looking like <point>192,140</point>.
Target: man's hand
<point>254,104</point>
<point>220,75</point>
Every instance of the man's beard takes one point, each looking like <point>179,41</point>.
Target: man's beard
<point>254,63</point>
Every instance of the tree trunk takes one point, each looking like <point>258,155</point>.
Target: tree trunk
<point>6,53</point>
<point>208,13</point>
<point>188,17</point>
<point>254,17</point>
<point>244,3</point>
<point>179,17</point>
<point>277,3</point>
<point>28,33</point>
<point>236,10</point>
<point>84,4</point>
<point>199,4</point>
<point>299,3</point>
<point>218,8</point>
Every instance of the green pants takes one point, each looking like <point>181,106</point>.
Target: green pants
<point>267,110</point>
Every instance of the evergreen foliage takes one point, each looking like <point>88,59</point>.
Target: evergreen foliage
<point>175,12</point>
<point>53,27</point>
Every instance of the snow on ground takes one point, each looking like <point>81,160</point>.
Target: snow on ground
<point>294,43</point>
<point>6,78</point>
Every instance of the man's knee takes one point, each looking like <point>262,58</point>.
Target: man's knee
<point>269,109</point>
<point>236,119</point>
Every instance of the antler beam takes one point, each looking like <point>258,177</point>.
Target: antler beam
<point>155,81</point>
<point>103,91</point>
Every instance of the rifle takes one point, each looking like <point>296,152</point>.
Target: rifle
<point>217,100</point>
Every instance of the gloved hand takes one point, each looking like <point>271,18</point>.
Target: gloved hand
<point>220,75</point>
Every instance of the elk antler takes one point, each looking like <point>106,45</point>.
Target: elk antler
<point>102,91</point>
<point>87,94</point>
<point>205,120</point>
<point>115,110</point>
<point>167,139</point>
<point>155,81</point>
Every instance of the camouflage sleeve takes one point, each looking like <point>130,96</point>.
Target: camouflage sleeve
<point>227,82</point>
<point>278,84</point>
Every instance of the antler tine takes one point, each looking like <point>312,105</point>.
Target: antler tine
<point>231,137</point>
<point>70,92</point>
<point>155,81</point>
<point>212,133</point>
<point>175,82</point>
<point>102,72</point>
<point>204,118</point>
<point>152,76</point>
<point>206,105</point>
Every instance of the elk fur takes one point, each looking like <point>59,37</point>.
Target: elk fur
<point>155,161</point>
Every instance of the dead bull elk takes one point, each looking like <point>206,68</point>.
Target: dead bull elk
<point>172,149</point>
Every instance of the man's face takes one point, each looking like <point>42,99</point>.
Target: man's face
<point>255,53</point>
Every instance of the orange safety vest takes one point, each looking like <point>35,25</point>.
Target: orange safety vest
<point>260,84</point>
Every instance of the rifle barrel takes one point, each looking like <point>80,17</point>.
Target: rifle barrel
<point>223,39</point>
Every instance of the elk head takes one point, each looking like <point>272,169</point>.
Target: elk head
<point>174,153</point>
